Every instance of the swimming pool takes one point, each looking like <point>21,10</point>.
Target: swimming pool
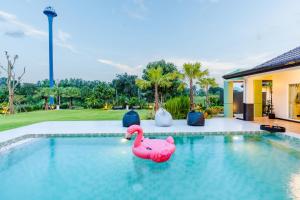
<point>203,167</point>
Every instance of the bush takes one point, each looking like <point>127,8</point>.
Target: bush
<point>150,114</point>
<point>134,101</point>
<point>214,111</point>
<point>215,100</point>
<point>121,101</point>
<point>28,107</point>
<point>4,108</point>
<point>178,107</point>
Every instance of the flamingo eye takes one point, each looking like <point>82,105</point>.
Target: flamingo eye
<point>148,148</point>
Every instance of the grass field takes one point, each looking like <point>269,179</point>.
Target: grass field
<point>22,119</point>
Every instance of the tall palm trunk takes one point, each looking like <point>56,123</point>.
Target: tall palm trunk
<point>207,99</point>
<point>46,103</point>
<point>191,95</point>
<point>71,103</point>
<point>156,97</point>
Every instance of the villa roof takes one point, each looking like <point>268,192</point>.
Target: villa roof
<point>284,61</point>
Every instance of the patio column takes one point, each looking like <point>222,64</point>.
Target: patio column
<point>228,98</point>
<point>257,84</point>
<point>248,100</point>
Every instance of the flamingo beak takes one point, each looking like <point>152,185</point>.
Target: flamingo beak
<point>128,136</point>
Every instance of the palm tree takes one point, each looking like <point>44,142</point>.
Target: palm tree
<point>45,93</point>
<point>58,92</point>
<point>192,71</point>
<point>205,83</point>
<point>71,93</point>
<point>92,101</point>
<point>156,79</point>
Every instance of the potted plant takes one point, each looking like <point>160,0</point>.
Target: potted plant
<point>270,107</point>
<point>193,71</point>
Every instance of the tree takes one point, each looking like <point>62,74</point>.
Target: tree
<point>104,92</point>
<point>205,83</point>
<point>156,79</point>
<point>12,81</point>
<point>45,93</point>
<point>58,92</point>
<point>192,71</point>
<point>28,91</point>
<point>71,93</point>
<point>3,90</point>
<point>124,84</point>
<point>168,92</point>
<point>92,101</point>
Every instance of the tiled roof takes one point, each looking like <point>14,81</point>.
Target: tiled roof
<point>286,60</point>
<point>290,56</point>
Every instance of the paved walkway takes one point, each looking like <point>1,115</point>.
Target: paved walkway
<point>215,125</point>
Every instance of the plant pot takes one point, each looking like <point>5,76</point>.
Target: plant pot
<point>272,116</point>
<point>195,118</point>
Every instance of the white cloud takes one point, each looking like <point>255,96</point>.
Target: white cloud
<point>218,68</point>
<point>17,28</point>
<point>63,36</point>
<point>62,40</point>
<point>122,67</point>
<point>138,10</point>
<point>25,28</point>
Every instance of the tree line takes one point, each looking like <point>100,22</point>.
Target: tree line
<point>160,81</point>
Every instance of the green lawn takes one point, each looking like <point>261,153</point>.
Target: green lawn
<point>22,119</point>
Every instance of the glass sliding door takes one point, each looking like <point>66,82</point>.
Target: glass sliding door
<point>294,101</point>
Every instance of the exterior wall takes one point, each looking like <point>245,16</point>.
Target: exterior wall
<point>253,92</point>
<point>249,99</point>
<point>248,91</point>
<point>228,98</point>
<point>281,83</point>
<point>257,98</point>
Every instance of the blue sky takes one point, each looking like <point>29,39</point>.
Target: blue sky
<point>95,39</point>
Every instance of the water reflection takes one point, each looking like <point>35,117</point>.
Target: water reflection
<point>144,168</point>
<point>52,144</point>
<point>294,186</point>
<point>19,153</point>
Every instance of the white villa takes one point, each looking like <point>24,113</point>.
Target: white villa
<point>283,72</point>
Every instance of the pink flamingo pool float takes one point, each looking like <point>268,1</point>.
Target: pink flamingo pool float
<point>155,149</point>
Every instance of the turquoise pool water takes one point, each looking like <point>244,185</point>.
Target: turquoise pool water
<point>203,167</point>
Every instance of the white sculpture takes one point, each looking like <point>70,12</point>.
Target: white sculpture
<point>163,118</point>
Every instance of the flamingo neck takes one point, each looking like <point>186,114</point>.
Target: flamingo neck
<point>138,139</point>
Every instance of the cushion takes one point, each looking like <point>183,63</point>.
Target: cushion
<point>195,118</point>
<point>163,118</point>
<point>131,118</point>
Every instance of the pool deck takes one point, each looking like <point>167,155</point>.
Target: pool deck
<point>289,125</point>
<point>214,125</point>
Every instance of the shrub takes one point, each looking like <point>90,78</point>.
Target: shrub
<point>4,108</point>
<point>64,106</point>
<point>214,111</point>
<point>215,100</point>
<point>150,114</point>
<point>178,107</point>
<point>121,101</point>
<point>28,107</point>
